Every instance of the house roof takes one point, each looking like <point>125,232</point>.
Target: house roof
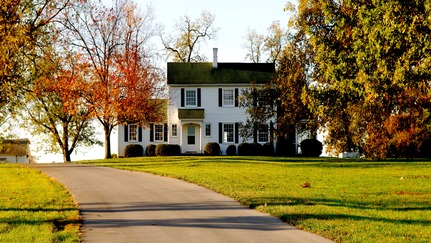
<point>225,73</point>
<point>15,146</point>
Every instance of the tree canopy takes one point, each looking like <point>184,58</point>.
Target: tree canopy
<point>371,88</point>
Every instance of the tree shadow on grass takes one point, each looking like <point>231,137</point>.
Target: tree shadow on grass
<point>293,218</point>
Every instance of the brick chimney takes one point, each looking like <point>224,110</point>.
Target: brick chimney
<point>215,52</point>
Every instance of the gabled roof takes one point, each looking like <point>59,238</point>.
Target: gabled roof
<point>225,73</point>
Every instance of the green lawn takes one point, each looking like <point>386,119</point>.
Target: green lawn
<point>34,208</point>
<point>344,200</point>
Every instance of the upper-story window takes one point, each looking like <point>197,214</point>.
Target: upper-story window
<point>228,97</point>
<point>191,97</point>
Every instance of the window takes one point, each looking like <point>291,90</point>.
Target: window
<point>191,97</point>
<point>228,132</point>
<point>191,135</point>
<point>158,132</point>
<point>208,130</point>
<point>228,97</point>
<point>174,130</point>
<point>133,132</point>
<point>263,133</point>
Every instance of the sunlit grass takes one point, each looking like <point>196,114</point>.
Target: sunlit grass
<point>33,208</point>
<point>344,200</point>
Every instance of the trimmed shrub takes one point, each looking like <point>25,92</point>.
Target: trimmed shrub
<point>268,149</point>
<point>168,150</point>
<point>231,150</point>
<point>212,149</point>
<point>311,148</point>
<point>114,156</point>
<point>244,149</point>
<point>133,150</point>
<point>151,150</point>
<point>255,149</point>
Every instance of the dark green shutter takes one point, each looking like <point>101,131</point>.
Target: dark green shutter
<point>220,97</point>
<point>126,133</point>
<point>199,97</point>
<point>255,127</point>
<point>236,132</point>
<point>151,132</point>
<point>182,98</point>
<point>140,134</point>
<point>236,97</point>
<point>165,132</point>
<point>220,132</point>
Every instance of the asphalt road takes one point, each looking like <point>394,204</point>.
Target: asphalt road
<point>123,206</point>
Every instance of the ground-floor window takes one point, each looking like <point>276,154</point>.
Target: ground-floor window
<point>228,132</point>
<point>174,130</point>
<point>158,132</point>
<point>133,132</point>
<point>208,130</point>
<point>263,133</point>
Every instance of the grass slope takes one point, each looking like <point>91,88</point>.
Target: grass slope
<point>33,208</point>
<point>344,200</point>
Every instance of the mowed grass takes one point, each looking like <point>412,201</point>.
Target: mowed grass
<point>343,200</point>
<point>34,208</point>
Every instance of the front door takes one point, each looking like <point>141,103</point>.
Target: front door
<point>192,138</point>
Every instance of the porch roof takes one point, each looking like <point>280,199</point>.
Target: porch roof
<point>191,114</point>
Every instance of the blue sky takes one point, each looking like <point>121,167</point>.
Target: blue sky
<point>233,18</point>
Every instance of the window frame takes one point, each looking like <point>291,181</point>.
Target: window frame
<point>226,136</point>
<point>224,100</point>
<point>159,133</point>
<point>174,128</point>
<point>186,100</point>
<point>264,133</point>
<point>133,131</point>
<point>206,130</point>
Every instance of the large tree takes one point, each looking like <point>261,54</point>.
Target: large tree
<point>184,45</point>
<point>372,67</point>
<point>123,86</point>
<point>22,25</point>
<point>55,110</point>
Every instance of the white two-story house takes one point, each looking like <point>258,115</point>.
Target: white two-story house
<point>203,106</point>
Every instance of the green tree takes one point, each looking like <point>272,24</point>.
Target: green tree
<point>372,67</point>
<point>184,45</point>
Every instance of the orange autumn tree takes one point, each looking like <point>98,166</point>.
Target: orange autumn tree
<point>124,85</point>
<point>55,108</point>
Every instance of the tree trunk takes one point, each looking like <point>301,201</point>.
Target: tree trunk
<point>66,155</point>
<point>107,142</point>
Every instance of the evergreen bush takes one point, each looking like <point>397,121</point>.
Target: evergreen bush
<point>212,149</point>
<point>133,150</point>
<point>231,150</point>
<point>268,149</point>
<point>311,148</point>
<point>151,150</point>
<point>168,150</point>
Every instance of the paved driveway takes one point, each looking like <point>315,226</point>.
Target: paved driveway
<point>123,206</point>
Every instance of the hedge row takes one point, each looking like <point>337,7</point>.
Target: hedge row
<point>309,148</point>
<point>136,150</point>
